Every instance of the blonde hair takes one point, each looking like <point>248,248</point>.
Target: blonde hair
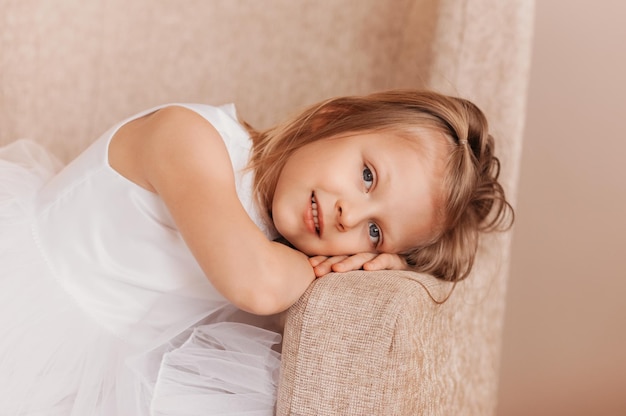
<point>473,201</point>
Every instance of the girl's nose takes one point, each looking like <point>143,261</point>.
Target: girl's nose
<point>349,215</point>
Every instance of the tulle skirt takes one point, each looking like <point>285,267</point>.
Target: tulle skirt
<point>55,360</point>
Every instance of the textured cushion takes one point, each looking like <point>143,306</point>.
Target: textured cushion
<point>352,345</point>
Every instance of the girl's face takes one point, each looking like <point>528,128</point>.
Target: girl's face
<point>371,192</point>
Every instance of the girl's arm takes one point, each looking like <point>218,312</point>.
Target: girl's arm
<point>179,155</point>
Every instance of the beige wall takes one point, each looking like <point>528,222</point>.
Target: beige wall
<point>565,329</point>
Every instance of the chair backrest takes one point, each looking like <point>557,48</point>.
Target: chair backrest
<point>69,69</point>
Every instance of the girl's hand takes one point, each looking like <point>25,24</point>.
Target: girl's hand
<point>367,261</point>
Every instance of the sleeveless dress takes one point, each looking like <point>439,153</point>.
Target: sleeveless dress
<point>103,309</point>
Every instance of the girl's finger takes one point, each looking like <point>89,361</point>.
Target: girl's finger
<point>325,266</point>
<point>316,260</point>
<point>386,261</point>
<point>354,262</point>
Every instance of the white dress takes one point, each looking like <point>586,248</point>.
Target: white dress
<point>103,309</point>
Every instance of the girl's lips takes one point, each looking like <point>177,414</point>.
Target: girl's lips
<point>313,216</point>
<point>308,217</point>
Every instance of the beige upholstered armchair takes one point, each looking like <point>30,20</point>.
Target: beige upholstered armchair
<point>361,343</point>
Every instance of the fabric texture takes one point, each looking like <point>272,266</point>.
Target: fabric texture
<point>91,325</point>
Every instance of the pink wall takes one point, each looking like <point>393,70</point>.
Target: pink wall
<point>565,329</point>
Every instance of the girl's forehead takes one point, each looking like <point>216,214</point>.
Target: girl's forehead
<point>412,134</point>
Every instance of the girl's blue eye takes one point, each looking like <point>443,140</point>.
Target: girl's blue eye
<point>374,233</point>
<point>368,178</point>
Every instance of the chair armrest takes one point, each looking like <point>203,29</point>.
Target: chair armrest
<point>353,345</point>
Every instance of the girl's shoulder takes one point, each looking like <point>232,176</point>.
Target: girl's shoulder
<point>166,144</point>
<point>224,119</point>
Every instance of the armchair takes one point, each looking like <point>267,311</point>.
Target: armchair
<point>361,343</point>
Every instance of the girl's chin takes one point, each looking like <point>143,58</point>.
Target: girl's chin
<point>293,243</point>
<point>302,247</point>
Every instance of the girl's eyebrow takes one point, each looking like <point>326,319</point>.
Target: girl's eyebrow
<point>378,163</point>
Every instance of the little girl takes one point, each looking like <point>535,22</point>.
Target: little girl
<point>121,273</point>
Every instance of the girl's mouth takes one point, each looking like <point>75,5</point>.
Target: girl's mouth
<point>315,209</point>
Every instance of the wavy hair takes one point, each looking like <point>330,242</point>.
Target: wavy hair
<point>472,200</point>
